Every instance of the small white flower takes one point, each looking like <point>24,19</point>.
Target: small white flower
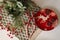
<point>19,4</point>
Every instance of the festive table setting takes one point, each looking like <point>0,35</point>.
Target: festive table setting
<point>26,19</point>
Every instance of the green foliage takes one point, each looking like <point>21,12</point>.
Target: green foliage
<point>14,7</point>
<point>17,8</point>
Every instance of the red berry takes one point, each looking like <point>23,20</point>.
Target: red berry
<point>46,19</point>
<point>0,17</point>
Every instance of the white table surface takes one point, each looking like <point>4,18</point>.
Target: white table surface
<point>54,34</point>
<point>4,36</point>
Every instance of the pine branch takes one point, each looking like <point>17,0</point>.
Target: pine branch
<point>17,9</point>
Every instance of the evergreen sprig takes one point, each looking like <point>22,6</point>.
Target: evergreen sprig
<point>17,8</point>
<point>14,7</point>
